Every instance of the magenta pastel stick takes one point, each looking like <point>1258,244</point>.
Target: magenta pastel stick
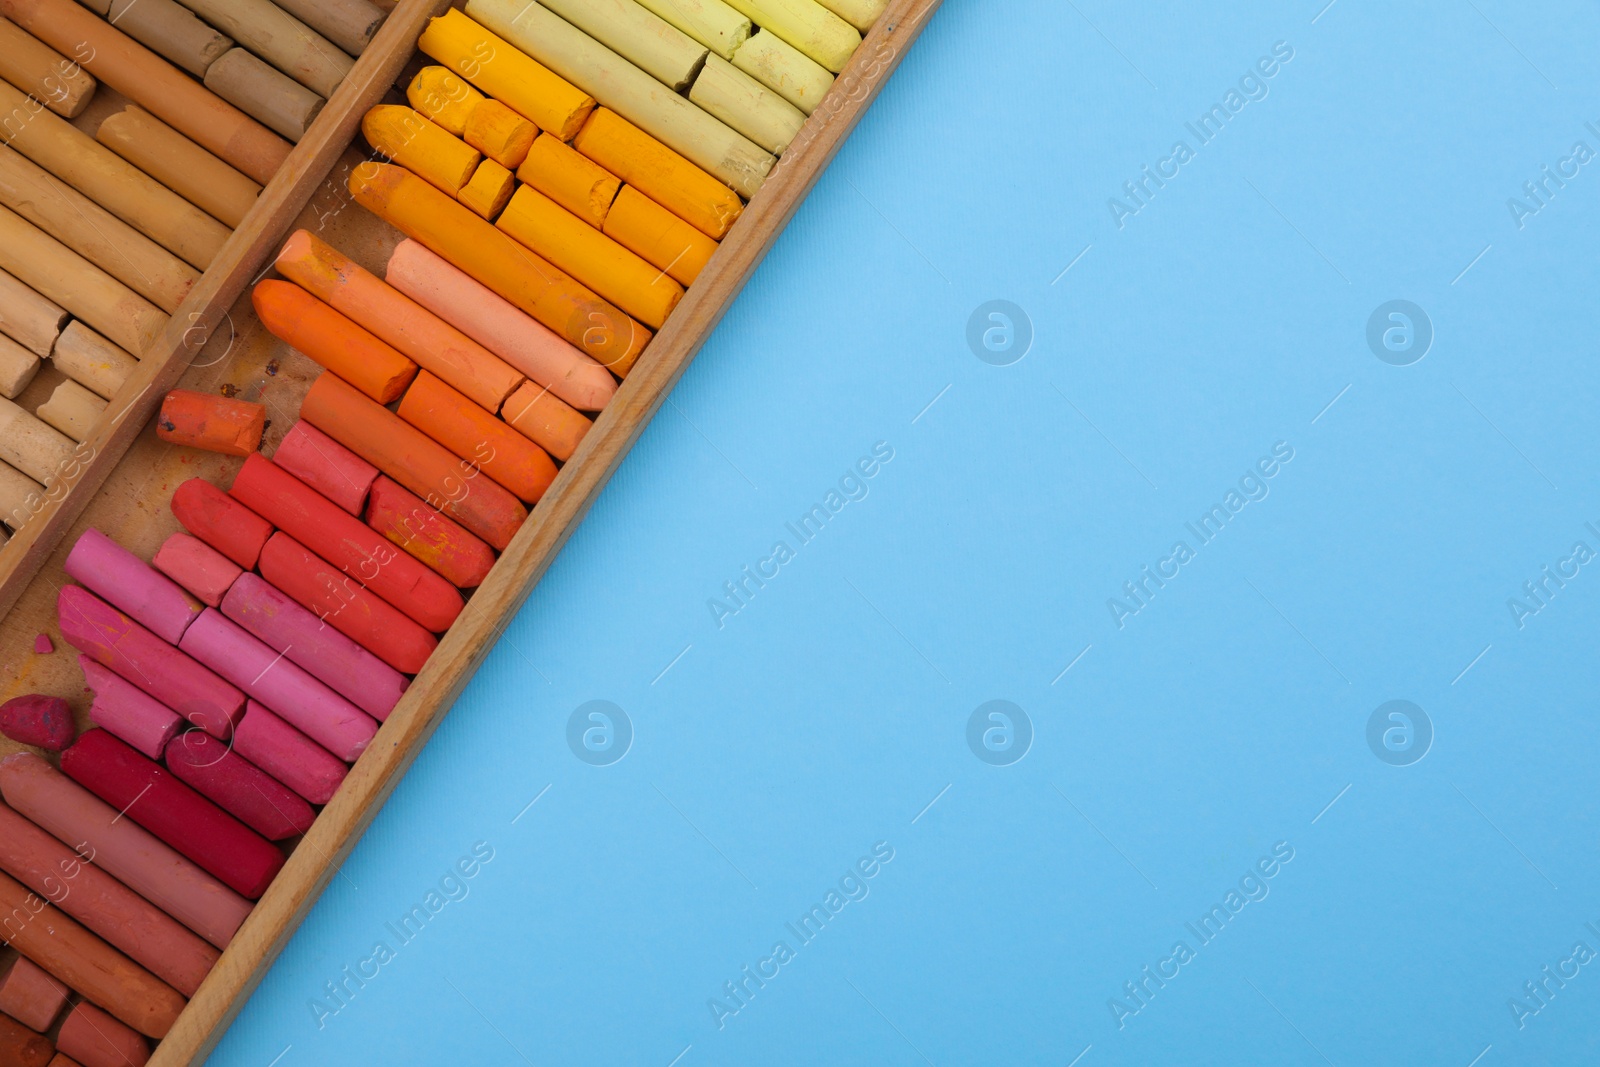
<point>326,466</point>
<point>130,584</point>
<point>288,755</point>
<point>271,678</point>
<point>218,773</point>
<point>347,668</point>
<point>129,714</point>
<point>197,567</point>
<point>92,626</point>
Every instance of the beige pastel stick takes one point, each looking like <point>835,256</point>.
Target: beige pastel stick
<point>178,163</point>
<point>40,70</point>
<point>638,35</point>
<point>17,367</point>
<point>28,318</point>
<point>807,25</point>
<point>170,30</point>
<point>784,69</point>
<point>280,39</point>
<point>20,496</point>
<point>632,93</point>
<point>859,13</point>
<point>29,445</point>
<point>350,24</point>
<point>746,105</point>
<point>116,185</point>
<point>94,233</point>
<point>73,410</point>
<point>91,360</point>
<point>711,22</point>
<point>59,274</point>
<point>270,97</point>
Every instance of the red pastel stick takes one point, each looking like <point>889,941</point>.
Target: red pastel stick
<point>95,1039</point>
<point>29,995</point>
<point>458,555</point>
<point>326,466</point>
<point>241,789</point>
<point>21,1047</point>
<point>221,521</point>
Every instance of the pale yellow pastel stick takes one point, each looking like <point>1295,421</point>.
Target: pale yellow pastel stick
<point>20,496</point>
<point>591,66</point>
<point>807,25</point>
<point>73,410</point>
<point>91,360</point>
<point>28,444</point>
<point>733,96</point>
<point>859,13</point>
<point>711,22</point>
<point>17,368</point>
<point>646,40</point>
<point>784,69</point>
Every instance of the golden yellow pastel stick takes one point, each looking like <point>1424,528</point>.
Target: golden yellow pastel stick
<point>443,97</point>
<point>507,73</point>
<point>420,146</point>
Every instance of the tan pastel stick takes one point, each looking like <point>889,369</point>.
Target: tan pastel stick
<point>20,496</point>
<point>646,40</point>
<point>264,94</point>
<point>181,165</point>
<point>280,39</point>
<point>784,69</point>
<point>30,446</point>
<point>28,318</point>
<point>73,410</point>
<point>99,7</point>
<point>350,24</point>
<point>745,104</point>
<point>60,274</point>
<point>134,197</point>
<point>94,233</point>
<point>18,366</point>
<point>38,69</point>
<point>170,29</point>
<point>150,81</point>
<point>91,360</point>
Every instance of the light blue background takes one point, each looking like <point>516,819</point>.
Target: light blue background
<point>1222,719</point>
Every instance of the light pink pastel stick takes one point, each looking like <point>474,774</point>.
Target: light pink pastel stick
<point>269,677</point>
<point>118,846</point>
<point>326,466</point>
<point>350,670</point>
<point>129,583</point>
<point>196,566</point>
<point>127,713</point>
<point>498,326</point>
<point>288,755</point>
<point>92,626</point>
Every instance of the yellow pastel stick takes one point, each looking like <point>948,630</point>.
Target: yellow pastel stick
<point>506,73</point>
<point>807,25</point>
<point>657,171</point>
<point>581,186</point>
<point>420,146</point>
<point>500,133</point>
<point>745,104</point>
<point>443,97</point>
<point>859,13</point>
<point>784,69</point>
<point>489,190</point>
<point>641,225</point>
<point>646,40</point>
<point>711,22</point>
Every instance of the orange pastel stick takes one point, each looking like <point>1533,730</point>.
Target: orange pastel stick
<point>546,419</point>
<point>641,225</point>
<point>413,459</point>
<point>658,172</point>
<point>572,180</point>
<point>214,423</point>
<point>411,329</point>
<point>440,542</point>
<point>478,437</point>
<point>306,323</point>
<point>422,212</point>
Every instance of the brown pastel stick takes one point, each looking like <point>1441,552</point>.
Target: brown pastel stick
<point>489,191</point>
<point>153,83</point>
<point>43,73</point>
<point>73,410</point>
<point>31,446</point>
<point>350,24</point>
<point>91,360</point>
<point>94,233</point>
<point>28,318</point>
<point>20,496</point>
<point>95,1039</point>
<point>181,165</point>
<point>214,423</point>
<point>17,368</point>
<point>265,94</point>
<point>21,1047</point>
<point>29,995</point>
<point>60,274</point>
<point>500,133</point>
<point>171,30</point>
<point>279,38</point>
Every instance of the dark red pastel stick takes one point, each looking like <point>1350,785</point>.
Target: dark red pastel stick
<point>221,521</point>
<point>237,786</point>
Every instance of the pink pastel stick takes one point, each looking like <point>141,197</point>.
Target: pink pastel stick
<point>498,326</point>
<point>121,848</point>
<point>129,583</point>
<point>288,755</point>
<point>218,773</point>
<point>29,995</point>
<point>326,466</point>
<point>196,566</point>
<point>268,676</point>
<point>125,711</point>
<point>92,626</point>
<point>346,667</point>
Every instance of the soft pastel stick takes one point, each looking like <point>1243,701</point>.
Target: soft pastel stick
<point>28,318</point>
<point>657,235</point>
<point>490,320</point>
<point>238,787</point>
<point>95,1039</point>
<point>116,845</point>
<point>94,627</point>
<point>214,423</point>
<point>39,720</point>
<point>339,662</point>
<point>350,24</point>
<point>422,147</point>
<point>489,191</point>
<point>148,794</point>
<point>129,583</point>
<point>79,960</point>
<point>859,13</point>
<point>337,536</point>
<point>414,331</point>
<point>747,105</point>
<point>478,437</point>
<point>443,97</point>
<point>423,213</point>
<point>400,515</point>
<point>221,521</point>
<point>279,38</point>
<point>659,173</point>
<point>295,316</point>
<point>807,25</point>
<point>545,420</point>
<point>148,935</point>
<point>196,566</point>
<point>91,360</point>
<point>29,995</point>
<point>23,1047</point>
<point>31,445</point>
<point>134,716</point>
<point>711,22</point>
<point>178,163</point>
<point>572,180</point>
<point>340,601</point>
<point>73,410</point>
<point>636,34</point>
<point>499,133</point>
<point>506,73</point>
<point>271,679</point>
<point>784,69</point>
<point>326,466</point>
<point>43,73</point>
<point>289,755</point>
<point>169,29</point>
<point>265,94</point>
